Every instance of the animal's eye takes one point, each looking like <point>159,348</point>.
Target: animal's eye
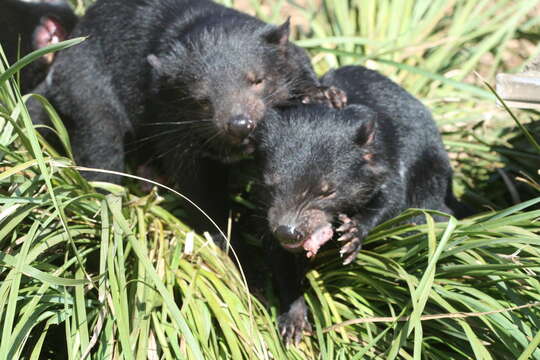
<point>255,80</point>
<point>327,190</point>
<point>328,194</point>
<point>272,180</point>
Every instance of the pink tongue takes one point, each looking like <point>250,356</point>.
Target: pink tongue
<point>318,239</point>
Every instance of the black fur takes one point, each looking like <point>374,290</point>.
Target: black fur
<point>189,80</point>
<point>346,171</point>
<point>27,23</point>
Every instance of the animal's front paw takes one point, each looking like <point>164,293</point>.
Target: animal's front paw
<point>293,323</point>
<point>331,96</point>
<point>352,235</point>
<point>336,97</point>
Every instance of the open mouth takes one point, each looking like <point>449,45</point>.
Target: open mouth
<point>295,245</point>
<point>242,147</point>
<point>233,152</point>
<point>247,146</point>
<point>312,243</point>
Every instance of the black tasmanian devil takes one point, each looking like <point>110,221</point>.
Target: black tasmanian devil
<point>26,27</point>
<point>190,79</point>
<point>338,173</point>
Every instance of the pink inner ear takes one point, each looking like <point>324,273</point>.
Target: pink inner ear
<point>48,32</point>
<point>370,137</point>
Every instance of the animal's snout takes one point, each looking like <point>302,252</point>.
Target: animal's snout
<point>240,126</point>
<point>287,234</point>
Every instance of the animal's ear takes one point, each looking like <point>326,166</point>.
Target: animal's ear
<point>167,63</point>
<point>364,123</point>
<point>279,35</point>
<point>154,61</point>
<point>49,31</point>
<point>365,132</point>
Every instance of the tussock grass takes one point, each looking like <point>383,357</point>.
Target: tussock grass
<point>107,274</point>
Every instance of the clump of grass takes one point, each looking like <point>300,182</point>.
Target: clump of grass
<point>107,271</point>
<point>103,274</point>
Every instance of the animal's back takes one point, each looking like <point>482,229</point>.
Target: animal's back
<point>370,88</point>
<point>424,161</point>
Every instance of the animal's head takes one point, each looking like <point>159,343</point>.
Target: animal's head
<point>318,163</point>
<point>225,77</point>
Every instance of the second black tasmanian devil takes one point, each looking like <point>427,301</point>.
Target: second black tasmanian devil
<point>190,80</point>
<point>338,173</point>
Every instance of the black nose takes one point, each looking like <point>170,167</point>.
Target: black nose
<point>288,234</point>
<point>240,126</point>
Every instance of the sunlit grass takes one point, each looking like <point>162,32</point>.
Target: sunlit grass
<point>108,274</point>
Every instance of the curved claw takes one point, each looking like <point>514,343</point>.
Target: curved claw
<point>353,234</point>
<point>344,218</point>
<point>350,250</point>
<point>346,225</point>
<point>293,323</point>
<point>292,329</point>
<point>336,97</point>
<point>349,235</point>
<point>330,96</point>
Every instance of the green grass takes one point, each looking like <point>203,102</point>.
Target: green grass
<point>118,276</point>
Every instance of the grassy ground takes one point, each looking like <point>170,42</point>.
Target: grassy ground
<point>85,274</point>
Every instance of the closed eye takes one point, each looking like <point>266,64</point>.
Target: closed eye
<point>255,80</point>
<point>326,190</point>
<point>327,193</point>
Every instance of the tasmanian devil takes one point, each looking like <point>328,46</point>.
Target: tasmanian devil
<point>338,173</point>
<point>30,26</point>
<point>190,80</point>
